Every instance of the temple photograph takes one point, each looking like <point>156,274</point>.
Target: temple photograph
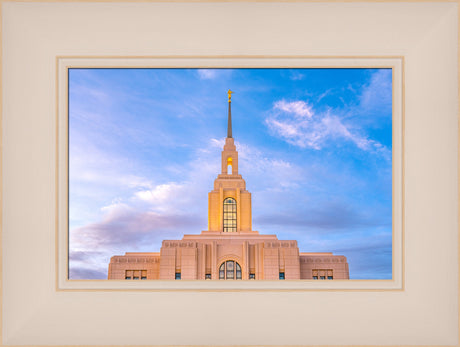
<point>230,174</point>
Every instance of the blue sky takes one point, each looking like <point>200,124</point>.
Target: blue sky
<point>314,148</point>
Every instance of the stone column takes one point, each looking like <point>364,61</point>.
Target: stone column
<point>245,265</point>
<point>214,272</point>
<point>238,210</point>
<point>221,208</point>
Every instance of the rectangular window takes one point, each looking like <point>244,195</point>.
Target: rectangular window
<point>128,274</point>
<point>143,274</point>
<point>252,276</point>
<point>281,275</point>
<point>136,274</point>
<point>322,274</point>
<point>207,276</point>
<point>177,277</point>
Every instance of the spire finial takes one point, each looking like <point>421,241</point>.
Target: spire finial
<point>229,128</point>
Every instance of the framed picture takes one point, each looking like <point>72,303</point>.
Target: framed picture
<point>49,275</point>
<point>332,134</point>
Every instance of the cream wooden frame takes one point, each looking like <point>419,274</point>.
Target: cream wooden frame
<point>36,312</point>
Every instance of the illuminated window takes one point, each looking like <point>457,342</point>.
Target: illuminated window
<point>229,165</point>
<point>230,270</point>
<point>229,215</point>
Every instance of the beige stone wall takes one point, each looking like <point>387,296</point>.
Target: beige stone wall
<point>261,255</point>
<point>134,261</point>
<point>280,257</point>
<point>214,219</point>
<point>323,261</point>
<point>245,211</point>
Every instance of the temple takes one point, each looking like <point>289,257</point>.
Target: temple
<point>229,249</point>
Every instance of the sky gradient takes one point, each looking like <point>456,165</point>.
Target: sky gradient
<point>315,149</point>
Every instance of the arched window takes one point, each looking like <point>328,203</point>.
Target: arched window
<point>229,165</point>
<point>230,270</point>
<point>229,215</point>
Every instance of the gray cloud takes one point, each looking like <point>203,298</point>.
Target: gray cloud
<point>130,230</point>
<point>124,230</point>
<point>370,261</point>
<point>332,216</point>
<point>368,251</point>
<point>76,256</point>
<point>77,273</point>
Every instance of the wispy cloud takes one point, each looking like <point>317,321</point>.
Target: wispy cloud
<point>300,126</point>
<point>296,76</point>
<point>298,109</point>
<point>207,74</point>
<point>378,92</point>
<point>323,95</point>
<point>265,167</point>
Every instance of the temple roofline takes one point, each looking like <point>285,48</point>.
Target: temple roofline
<point>254,235</point>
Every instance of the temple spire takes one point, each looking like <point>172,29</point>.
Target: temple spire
<point>229,128</point>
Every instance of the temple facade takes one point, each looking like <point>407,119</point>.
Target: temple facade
<point>229,249</point>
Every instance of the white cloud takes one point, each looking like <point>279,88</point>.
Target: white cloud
<point>378,92</point>
<point>266,171</point>
<point>299,125</point>
<point>299,109</point>
<point>207,74</point>
<point>168,198</point>
<point>160,193</point>
<point>217,143</point>
<point>296,76</point>
<point>323,95</point>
